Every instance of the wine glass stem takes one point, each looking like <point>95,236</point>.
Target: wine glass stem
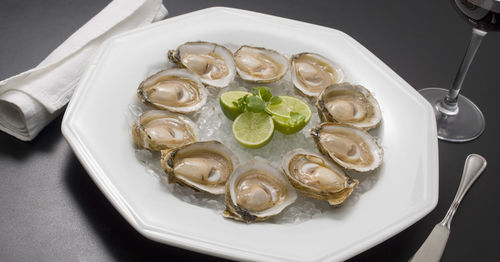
<point>449,104</point>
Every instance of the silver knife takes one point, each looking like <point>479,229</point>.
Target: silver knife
<point>433,247</point>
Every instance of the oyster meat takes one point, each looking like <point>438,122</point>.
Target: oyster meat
<point>213,63</point>
<point>204,166</point>
<point>350,147</point>
<point>311,73</point>
<point>157,130</point>
<point>176,90</point>
<point>316,177</point>
<point>260,65</point>
<point>256,191</point>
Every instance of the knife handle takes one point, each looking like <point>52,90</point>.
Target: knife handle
<point>474,166</point>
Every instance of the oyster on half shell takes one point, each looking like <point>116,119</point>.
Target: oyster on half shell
<point>260,65</point>
<point>350,147</point>
<point>204,166</point>
<point>311,73</point>
<point>157,130</point>
<point>316,177</point>
<point>349,104</point>
<point>176,90</point>
<point>256,191</point>
<point>213,63</point>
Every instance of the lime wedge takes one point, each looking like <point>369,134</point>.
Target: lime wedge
<point>226,103</point>
<point>253,130</point>
<point>281,114</point>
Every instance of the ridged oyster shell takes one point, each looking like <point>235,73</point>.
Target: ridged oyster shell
<point>350,147</point>
<point>311,73</point>
<point>205,166</point>
<point>176,90</point>
<point>213,63</point>
<point>349,104</point>
<point>157,130</point>
<point>256,191</point>
<point>316,177</point>
<point>260,65</point>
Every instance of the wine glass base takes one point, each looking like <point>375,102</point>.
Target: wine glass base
<point>468,124</point>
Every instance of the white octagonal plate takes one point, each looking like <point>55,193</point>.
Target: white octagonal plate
<point>96,127</point>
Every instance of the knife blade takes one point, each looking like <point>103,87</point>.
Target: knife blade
<point>433,247</point>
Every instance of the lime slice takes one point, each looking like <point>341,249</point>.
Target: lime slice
<point>253,130</point>
<point>285,126</point>
<point>226,103</point>
<point>281,114</point>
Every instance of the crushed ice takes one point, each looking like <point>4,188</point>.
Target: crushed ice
<point>213,125</point>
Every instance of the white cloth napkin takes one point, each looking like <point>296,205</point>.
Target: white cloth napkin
<point>30,100</point>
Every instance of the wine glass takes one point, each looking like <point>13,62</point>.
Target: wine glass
<point>458,118</point>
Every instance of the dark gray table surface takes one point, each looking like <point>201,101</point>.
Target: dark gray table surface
<point>50,209</point>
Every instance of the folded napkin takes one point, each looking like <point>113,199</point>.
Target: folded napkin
<point>30,100</point>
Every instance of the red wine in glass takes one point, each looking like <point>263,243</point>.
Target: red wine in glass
<point>481,14</point>
<point>458,118</point>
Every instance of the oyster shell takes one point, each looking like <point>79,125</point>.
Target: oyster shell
<point>176,90</point>
<point>157,130</point>
<point>205,166</point>
<point>256,191</point>
<point>316,177</point>
<point>213,63</point>
<point>350,147</point>
<point>349,104</point>
<point>260,65</point>
<point>311,73</point>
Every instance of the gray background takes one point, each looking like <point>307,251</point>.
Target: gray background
<point>50,210</point>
